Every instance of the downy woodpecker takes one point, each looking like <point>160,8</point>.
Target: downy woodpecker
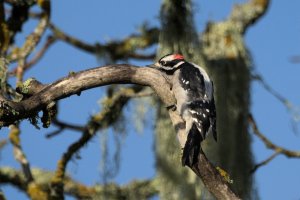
<point>194,93</point>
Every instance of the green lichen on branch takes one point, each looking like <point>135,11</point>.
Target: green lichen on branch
<point>33,39</point>
<point>36,192</point>
<point>4,31</point>
<point>102,120</point>
<point>24,87</point>
<point>3,75</point>
<point>115,50</point>
<point>144,189</point>
<point>14,136</point>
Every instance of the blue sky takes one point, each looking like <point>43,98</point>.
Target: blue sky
<point>272,41</point>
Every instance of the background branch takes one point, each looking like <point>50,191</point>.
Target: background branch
<point>246,14</point>
<point>291,108</point>
<point>20,156</point>
<point>37,56</point>
<point>143,188</point>
<point>270,145</point>
<point>109,115</point>
<point>117,50</point>
<point>264,162</point>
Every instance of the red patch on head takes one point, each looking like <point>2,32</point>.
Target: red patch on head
<point>178,57</point>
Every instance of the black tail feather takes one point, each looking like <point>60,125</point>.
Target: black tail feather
<point>192,147</point>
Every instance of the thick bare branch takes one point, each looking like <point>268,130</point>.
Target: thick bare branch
<point>212,179</point>
<point>77,82</point>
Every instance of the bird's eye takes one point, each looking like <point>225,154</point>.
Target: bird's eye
<point>163,62</point>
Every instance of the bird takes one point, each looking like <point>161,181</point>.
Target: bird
<point>194,93</point>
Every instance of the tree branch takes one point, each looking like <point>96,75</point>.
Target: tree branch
<point>2,196</point>
<point>111,74</point>
<point>116,50</point>
<point>124,93</point>
<point>212,179</point>
<point>20,156</point>
<point>144,188</point>
<point>264,162</point>
<point>77,82</point>
<point>270,145</point>
<point>109,115</point>
<point>37,57</point>
<point>33,39</point>
<point>244,15</point>
<point>291,108</point>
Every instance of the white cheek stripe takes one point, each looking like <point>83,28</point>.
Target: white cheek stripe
<point>178,64</point>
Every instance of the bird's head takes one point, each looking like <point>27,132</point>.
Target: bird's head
<point>169,62</point>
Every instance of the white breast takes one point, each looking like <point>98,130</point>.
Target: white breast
<point>179,93</point>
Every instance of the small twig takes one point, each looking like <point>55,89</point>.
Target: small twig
<point>295,59</point>
<point>37,57</point>
<point>2,143</point>
<point>256,76</point>
<point>62,126</point>
<point>264,162</point>
<point>54,133</point>
<point>14,137</point>
<point>293,110</point>
<point>278,150</point>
